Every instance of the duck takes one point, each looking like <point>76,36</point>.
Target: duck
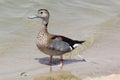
<point>51,44</point>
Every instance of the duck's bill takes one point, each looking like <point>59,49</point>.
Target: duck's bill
<point>33,16</point>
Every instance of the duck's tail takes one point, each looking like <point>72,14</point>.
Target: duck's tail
<point>83,46</point>
<point>79,42</point>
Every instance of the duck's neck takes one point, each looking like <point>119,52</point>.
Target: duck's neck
<point>44,25</point>
<point>45,22</point>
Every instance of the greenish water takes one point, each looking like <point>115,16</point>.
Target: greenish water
<point>73,17</point>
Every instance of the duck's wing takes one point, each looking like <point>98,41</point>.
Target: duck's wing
<point>63,44</point>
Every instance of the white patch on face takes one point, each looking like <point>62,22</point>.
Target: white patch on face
<point>44,14</point>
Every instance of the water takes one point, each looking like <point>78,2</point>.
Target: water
<point>77,19</point>
<point>78,16</point>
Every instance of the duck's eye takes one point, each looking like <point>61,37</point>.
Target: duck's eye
<point>41,12</point>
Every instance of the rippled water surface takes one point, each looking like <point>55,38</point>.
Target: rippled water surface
<point>78,19</point>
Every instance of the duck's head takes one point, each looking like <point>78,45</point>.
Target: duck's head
<point>41,13</point>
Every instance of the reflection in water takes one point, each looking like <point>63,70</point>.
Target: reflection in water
<point>59,66</point>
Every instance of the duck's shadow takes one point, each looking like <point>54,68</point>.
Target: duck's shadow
<point>56,61</point>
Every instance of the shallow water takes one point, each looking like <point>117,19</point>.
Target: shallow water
<point>77,19</point>
<point>82,17</point>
